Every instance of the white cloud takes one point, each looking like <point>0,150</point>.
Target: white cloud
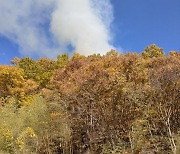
<point>84,24</point>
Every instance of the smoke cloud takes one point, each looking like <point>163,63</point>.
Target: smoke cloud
<point>48,27</point>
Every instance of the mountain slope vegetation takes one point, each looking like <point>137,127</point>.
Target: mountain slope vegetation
<point>116,103</point>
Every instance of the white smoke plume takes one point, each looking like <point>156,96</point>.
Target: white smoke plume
<point>48,27</point>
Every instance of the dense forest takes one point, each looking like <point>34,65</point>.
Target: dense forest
<point>111,104</point>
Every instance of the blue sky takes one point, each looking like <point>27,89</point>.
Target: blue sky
<point>136,24</point>
<point>142,22</point>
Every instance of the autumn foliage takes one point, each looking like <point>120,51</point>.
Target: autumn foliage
<point>116,103</point>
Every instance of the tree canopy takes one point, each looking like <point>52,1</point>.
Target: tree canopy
<point>115,103</point>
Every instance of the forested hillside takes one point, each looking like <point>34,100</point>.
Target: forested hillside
<point>112,104</point>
